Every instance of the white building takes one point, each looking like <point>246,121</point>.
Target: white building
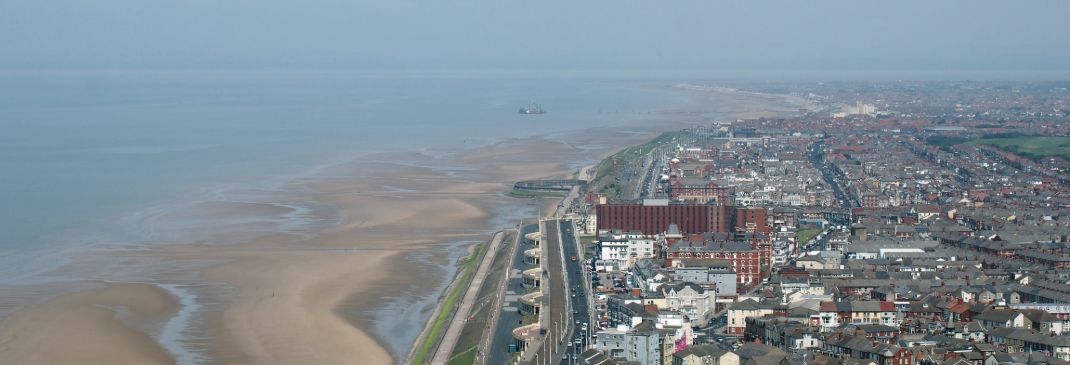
<point>693,301</point>
<point>621,250</point>
<point>834,314</point>
<point>639,343</point>
<point>859,108</point>
<point>740,311</point>
<point>781,250</point>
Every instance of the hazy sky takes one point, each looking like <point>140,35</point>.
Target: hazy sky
<point>549,34</point>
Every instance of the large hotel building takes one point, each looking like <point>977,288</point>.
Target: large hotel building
<point>690,218</point>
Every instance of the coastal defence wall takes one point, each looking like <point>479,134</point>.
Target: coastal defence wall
<point>548,186</point>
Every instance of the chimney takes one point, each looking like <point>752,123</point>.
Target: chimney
<point>636,292</point>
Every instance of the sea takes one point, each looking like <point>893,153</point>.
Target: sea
<point>91,157</point>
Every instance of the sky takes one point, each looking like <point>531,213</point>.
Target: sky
<point>548,34</point>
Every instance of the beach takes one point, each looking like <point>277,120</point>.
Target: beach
<point>355,288</point>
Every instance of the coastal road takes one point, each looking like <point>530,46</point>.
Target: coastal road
<point>453,332</point>
<point>578,338</point>
<point>566,203</point>
<point>557,308</point>
<point>502,334</point>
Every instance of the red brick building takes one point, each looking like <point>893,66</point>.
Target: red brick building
<point>752,220</point>
<point>750,254</point>
<point>690,218</point>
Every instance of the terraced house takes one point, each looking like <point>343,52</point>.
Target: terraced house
<point>834,314</point>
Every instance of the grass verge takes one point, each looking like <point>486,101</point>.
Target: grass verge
<point>468,357</point>
<point>587,241</point>
<point>1031,147</point>
<point>468,268</point>
<point>807,234</point>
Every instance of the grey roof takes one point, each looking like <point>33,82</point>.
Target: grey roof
<point>1028,335</point>
<point>748,305</point>
<point>595,357</point>
<point>707,350</point>
<point>871,328</point>
<point>997,315</point>
<point>664,289</point>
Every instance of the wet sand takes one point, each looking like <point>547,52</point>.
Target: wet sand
<point>99,326</point>
<point>355,293</point>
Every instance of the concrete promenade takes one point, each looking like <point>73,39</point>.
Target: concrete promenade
<point>492,324</point>
<point>453,332</point>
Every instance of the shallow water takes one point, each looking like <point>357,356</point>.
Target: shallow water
<point>101,156</point>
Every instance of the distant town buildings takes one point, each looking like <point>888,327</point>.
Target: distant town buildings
<point>859,108</point>
<point>849,236</point>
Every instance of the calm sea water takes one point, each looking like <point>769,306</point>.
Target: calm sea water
<point>84,154</point>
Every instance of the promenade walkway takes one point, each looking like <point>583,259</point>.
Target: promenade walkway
<point>453,333</point>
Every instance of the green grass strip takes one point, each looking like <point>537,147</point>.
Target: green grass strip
<point>807,234</point>
<point>469,266</point>
<point>468,357</point>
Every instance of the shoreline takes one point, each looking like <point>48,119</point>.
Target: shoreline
<point>472,185</point>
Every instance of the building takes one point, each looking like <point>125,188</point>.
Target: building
<point>655,218</point>
<point>621,309</point>
<point>858,348</point>
<point>875,332</point>
<point>718,275</point>
<point>621,250</point>
<point>705,355</point>
<point>702,192</point>
<point>739,311</point>
<point>761,354</point>
<point>752,219</point>
<point>640,343</point>
<point>1028,340</point>
<point>692,300</point>
<point>750,254</point>
<point>833,314</point>
<point>1003,318</point>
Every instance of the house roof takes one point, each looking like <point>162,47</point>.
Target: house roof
<point>874,328</point>
<point>706,350</point>
<point>858,306</point>
<point>997,315</point>
<point>667,288</point>
<point>747,305</point>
